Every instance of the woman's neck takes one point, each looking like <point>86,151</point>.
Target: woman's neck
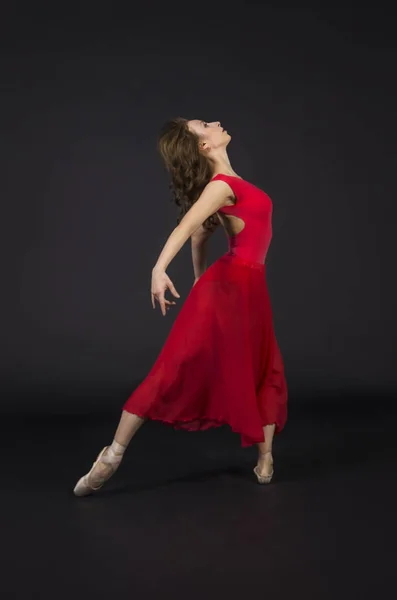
<point>221,164</point>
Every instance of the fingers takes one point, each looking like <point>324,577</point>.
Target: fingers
<point>172,288</point>
<point>173,291</point>
<point>164,304</point>
<point>161,300</point>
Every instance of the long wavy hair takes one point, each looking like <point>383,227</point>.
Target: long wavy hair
<point>190,170</point>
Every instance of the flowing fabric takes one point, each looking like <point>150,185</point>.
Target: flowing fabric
<point>221,363</point>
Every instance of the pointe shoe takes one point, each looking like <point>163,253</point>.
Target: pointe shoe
<point>83,486</point>
<point>264,478</point>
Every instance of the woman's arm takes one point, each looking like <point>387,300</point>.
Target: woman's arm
<point>199,241</point>
<point>214,196</point>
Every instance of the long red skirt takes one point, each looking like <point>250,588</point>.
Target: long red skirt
<point>221,364</point>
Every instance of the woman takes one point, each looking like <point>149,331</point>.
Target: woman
<point>221,363</point>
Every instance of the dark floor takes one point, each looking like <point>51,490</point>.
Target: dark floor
<point>184,517</point>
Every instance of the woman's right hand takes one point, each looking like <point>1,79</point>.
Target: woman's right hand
<point>160,283</point>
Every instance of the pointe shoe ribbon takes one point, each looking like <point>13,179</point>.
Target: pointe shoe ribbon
<point>263,478</point>
<point>83,486</point>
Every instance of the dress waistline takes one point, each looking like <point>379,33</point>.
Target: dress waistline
<point>242,261</point>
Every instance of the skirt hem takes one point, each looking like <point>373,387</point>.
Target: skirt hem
<point>205,423</point>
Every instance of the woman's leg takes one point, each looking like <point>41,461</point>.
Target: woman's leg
<point>111,457</point>
<point>127,428</point>
<point>265,457</point>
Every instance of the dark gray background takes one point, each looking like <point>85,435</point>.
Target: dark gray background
<point>308,96</point>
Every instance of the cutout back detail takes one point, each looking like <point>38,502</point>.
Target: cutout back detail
<point>232,225</point>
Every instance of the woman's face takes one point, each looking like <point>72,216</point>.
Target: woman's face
<point>212,135</point>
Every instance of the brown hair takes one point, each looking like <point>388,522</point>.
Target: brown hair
<point>190,170</point>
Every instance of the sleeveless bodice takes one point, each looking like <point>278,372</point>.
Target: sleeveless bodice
<point>254,207</point>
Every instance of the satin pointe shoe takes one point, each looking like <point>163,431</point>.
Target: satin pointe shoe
<point>92,482</point>
<point>264,478</point>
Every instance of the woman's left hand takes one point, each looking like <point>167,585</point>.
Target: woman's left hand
<point>160,283</point>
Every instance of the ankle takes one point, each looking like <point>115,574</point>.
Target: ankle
<point>115,451</point>
<point>117,448</point>
<point>263,454</point>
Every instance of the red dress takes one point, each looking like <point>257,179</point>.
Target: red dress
<point>221,364</point>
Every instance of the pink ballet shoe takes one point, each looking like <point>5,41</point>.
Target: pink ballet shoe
<point>84,487</point>
<point>263,478</point>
